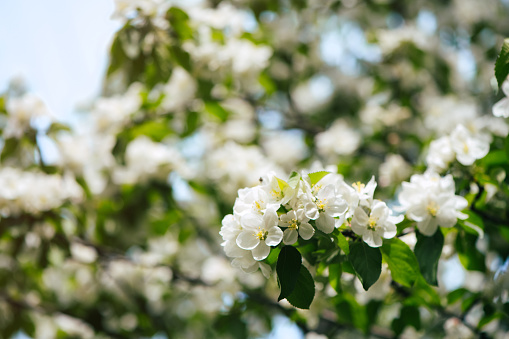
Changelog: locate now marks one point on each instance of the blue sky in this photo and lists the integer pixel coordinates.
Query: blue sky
(59, 47)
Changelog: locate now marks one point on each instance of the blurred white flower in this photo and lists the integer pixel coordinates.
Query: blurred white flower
(339, 139)
(501, 108)
(468, 147)
(394, 170)
(21, 111)
(440, 154)
(146, 159)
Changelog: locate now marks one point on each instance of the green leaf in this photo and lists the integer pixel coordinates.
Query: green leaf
(288, 270)
(10, 147)
(349, 311)
(179, 20)
(468, 254)
(401, 260)
(502, 63)
(216, 110)
(343, 243)
(335, 272)
(409, 316)
(181, 57)
(428, 251)
(367, 263)
(317, 176)
(495, 158)
(57, 127)
(155, 130)
(273, 256)
(304, 291)
(473, 224)
(293, 181)
(456, 295)
(282, 184)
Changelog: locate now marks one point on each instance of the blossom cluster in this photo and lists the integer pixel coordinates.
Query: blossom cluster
(34, 192)
(430, 200)
(282, 211)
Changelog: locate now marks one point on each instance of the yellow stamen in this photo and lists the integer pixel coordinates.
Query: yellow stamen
(294, 224)
(262, 234)
(372, 223)
(358, 186)
(432, 208)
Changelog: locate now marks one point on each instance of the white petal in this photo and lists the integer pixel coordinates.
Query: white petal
(270, 218)
(261, 251)
(266, 270)
(311, 211)
(325, 223)
(390, 230)
(501, 108)
(247, 240)
(290, 237)
(428, 226)
(274, 237)
(251, 220)
(306, 231)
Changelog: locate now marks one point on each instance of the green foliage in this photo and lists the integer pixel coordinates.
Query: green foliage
(303, 293)
(288, 270)
(502, 63)
(401, 260)
(317, 176)
(366, 261)
(427, 251)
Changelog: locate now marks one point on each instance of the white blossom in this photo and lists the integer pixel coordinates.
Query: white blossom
(259, 233)
(297, 224)
(431, 201)
(21, 111)
(325, 207)
(468, 147)
(440, 154)
(339, 139)
(375, 224)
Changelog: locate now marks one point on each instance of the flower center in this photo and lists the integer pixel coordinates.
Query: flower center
(294, 224)
(358, 186)
(262, 234)
(257, 205)
(320, 204)
(465, 147)
(432, 208)
(372, 223)
(276, 194)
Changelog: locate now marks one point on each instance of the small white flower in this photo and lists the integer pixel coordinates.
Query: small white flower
(468, 148)
(254, 200)
(297, 224)
(259, 233)
(375, 226)
(440, 154)
(325, 207)
(431, 201)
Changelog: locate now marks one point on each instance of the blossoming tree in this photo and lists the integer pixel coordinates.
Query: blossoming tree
(342, 164)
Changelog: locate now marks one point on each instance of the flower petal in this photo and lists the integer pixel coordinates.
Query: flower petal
(274, 237)
(251, 220)
(261, 251)
(247, 240)
(290, 237)
(325, 223)
(306, 231)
